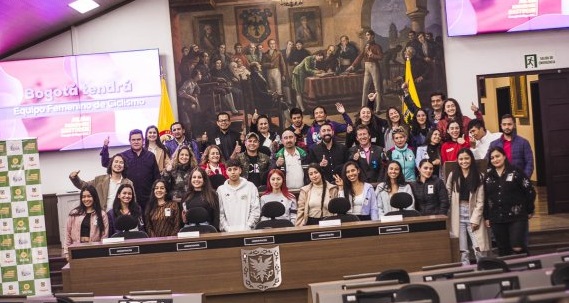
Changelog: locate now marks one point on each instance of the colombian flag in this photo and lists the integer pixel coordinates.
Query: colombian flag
(407, 114)
(165, 116)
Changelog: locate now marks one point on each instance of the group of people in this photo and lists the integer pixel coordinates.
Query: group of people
(158, 184)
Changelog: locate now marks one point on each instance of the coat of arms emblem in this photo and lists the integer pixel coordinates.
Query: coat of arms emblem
(261, 268)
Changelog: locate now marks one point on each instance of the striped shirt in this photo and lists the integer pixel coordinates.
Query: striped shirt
(160, 224)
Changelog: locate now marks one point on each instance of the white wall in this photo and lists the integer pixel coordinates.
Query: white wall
(142, 24)
(467, 57)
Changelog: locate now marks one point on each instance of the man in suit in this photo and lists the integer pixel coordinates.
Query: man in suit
(368, 156)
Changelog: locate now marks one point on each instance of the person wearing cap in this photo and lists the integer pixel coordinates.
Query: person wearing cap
(254, 165)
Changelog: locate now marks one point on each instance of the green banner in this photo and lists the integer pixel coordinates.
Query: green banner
(23, 242)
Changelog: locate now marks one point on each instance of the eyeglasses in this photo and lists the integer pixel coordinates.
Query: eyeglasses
(223, 121)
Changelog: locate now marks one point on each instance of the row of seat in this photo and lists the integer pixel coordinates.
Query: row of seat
(198, 217)
(497, 279)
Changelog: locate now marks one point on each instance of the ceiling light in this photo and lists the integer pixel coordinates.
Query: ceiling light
(83, 6)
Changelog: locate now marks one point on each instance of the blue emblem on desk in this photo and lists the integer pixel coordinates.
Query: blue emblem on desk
(261, 268)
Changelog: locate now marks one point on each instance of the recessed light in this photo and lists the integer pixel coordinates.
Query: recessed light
(83, 6)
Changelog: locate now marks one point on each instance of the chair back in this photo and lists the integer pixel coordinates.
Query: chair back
(400, 275)
(340, 206)
(197, 215)
(273, 210)
(560, 275)
(489, 263)
(401, 200)
(416, 292)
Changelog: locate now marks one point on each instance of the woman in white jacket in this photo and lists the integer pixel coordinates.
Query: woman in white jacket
(239, 207)
(360, 194)
(394, 183)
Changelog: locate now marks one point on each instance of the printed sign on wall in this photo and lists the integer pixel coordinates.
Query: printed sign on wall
(23, 245)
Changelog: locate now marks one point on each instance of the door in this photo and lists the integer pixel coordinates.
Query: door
(554, 97)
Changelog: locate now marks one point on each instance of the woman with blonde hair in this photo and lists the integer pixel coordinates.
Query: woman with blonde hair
(212, 162)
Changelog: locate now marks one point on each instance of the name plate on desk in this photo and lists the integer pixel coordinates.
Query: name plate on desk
(191, 245)
(325, 235)
(119, 251)
(395, 229)
(259, 240)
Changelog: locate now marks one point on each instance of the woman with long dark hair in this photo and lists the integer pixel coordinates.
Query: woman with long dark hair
(452, 112)
(431, 196)
(178, 174)
(125, 204)
(314, 198)
(466, 189)
(431, 151)
(153, 144)
(162, 214)
(456, 141)
(376, 125)
(278, 191)
(509, 203)
(86, 222)
(201, 194)
(420, 127)
(394, 183)
(360, 194)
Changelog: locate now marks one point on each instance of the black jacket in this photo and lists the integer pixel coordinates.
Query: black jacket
(336, 156)
(508, 197)
(431, 197)
(226, 142)
(372, 171)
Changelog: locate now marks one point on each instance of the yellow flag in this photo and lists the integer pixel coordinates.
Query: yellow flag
(165, 116)
(407, 114)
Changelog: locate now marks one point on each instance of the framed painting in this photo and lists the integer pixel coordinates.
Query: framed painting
(256, 24)
(519, 96)
(208, 31)
(306, 25)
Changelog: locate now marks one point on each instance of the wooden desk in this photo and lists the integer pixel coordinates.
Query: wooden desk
(328, 90)
(216, 271)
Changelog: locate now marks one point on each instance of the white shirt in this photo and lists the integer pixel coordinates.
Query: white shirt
(294, 172)
(483, 144)
(113, 187)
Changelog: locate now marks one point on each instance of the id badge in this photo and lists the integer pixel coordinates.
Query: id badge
(362, 155)
(430, 189)
(510, 177)
(217, 141)
(168, 212)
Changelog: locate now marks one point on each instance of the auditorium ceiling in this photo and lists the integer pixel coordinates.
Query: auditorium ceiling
(24, 23)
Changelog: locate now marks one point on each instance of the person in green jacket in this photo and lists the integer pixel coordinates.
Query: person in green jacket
(305, 69)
